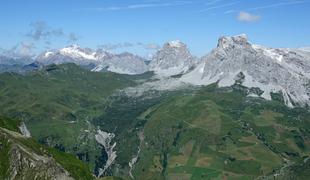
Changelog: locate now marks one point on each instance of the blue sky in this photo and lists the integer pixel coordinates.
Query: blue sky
(31, 26)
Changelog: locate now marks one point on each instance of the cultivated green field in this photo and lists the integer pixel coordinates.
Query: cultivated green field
(212, 134)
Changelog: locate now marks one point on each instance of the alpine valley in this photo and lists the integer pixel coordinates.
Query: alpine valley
(239, 112)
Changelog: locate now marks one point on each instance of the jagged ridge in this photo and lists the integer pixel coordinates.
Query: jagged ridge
(272, 70)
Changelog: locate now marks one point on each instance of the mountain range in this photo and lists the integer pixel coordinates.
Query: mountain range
(271, 70)
(239, 112)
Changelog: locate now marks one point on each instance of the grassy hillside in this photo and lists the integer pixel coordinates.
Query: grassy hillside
(11, 141)
(9, 124)
(57, 104)
(221, 134)
(194, 133)
(63, 91)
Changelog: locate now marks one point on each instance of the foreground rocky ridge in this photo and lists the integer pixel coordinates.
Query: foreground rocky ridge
(24, 163)
(22, 158)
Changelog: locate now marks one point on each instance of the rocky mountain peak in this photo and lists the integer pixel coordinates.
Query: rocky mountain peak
(232, 41)
(284, 71)
(124, 63)
(174, 58)
(77, 52)
(175, 44)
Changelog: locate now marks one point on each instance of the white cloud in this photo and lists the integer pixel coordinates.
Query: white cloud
(110, 46)
(141, 6)
(247, 17)
(213, 2)
(275, 5)
(152, 46)
(26, 48)
(40, 30)
(218, 6)
(21, 49)
(149, 46)
(270, 6)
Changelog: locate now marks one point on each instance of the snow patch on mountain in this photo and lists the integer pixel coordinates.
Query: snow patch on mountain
(175, 44)
(47, 54)
(285, 71)
(272, 53)
(76, 52)
(72, 54)
(124, 63)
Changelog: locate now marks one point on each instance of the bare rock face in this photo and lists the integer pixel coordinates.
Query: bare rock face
(24, 130)
(272, 70)
(173, 59)
(105, 140)
(124, 63)
(25, 163)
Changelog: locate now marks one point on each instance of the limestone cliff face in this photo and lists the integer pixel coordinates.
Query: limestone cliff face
(25, 161)
(173, 59)
(272, 70)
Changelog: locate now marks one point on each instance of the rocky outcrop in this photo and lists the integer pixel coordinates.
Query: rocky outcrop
(24, 130)
(124, 63)
(105, 139)
(173, 59)
(272, 70)
(27, 163)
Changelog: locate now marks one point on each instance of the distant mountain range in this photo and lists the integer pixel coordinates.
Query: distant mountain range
(234, 59)
(174, 117)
